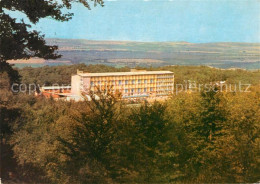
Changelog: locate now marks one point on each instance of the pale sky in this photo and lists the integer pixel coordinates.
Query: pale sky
(160, 20)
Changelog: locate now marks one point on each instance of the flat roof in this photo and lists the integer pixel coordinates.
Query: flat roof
(123, 73)
(55, 87)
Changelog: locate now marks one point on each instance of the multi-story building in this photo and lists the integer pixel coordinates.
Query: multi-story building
(134, 84)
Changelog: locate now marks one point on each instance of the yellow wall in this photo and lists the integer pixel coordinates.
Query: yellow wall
(161, 84)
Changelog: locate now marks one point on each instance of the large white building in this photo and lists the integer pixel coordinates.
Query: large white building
(134, 84)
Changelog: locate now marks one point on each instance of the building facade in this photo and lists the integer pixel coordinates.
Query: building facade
(134, 84)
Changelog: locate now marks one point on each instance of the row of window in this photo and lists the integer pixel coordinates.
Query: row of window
(120, 82)
(139, 90)
(143, 90)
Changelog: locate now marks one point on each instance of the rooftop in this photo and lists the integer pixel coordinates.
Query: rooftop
(56, 87)
(133, 72)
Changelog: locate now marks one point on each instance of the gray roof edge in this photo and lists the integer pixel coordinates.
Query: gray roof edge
(124, 73)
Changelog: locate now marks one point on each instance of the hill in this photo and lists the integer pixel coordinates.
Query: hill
(128, 53)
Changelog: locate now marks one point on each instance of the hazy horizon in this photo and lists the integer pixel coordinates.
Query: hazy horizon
(181, 41)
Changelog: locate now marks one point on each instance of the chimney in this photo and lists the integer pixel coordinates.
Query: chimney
(79, 72)
(136, 70)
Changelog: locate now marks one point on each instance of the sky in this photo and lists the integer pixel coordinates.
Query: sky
(196, 21)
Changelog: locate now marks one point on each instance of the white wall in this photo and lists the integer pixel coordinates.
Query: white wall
(75, 85)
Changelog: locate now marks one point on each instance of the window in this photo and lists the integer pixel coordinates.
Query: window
(133, 81)
(126, 90)
(151, 89)
(113, 82)
(145, 81)
(139, 81)
(151, 81)
(144, 89)
(119, 82)
(126, 81)
(92, 83)
(99, 82)
(139, 90)
(132, 90)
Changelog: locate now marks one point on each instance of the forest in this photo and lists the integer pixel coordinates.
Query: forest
(199, 137)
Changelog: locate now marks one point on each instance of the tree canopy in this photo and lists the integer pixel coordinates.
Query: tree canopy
(17, 42)
(199, 137)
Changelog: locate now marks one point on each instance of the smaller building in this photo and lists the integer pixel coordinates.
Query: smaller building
(55, 91)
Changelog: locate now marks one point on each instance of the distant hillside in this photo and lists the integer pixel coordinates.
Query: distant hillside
(222, 55)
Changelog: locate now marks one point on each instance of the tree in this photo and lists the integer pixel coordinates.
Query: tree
(92, 143)
(34, 140)
(149, 151)
(17, 42)
(182, 112)
(212, 114)
(238, 150)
